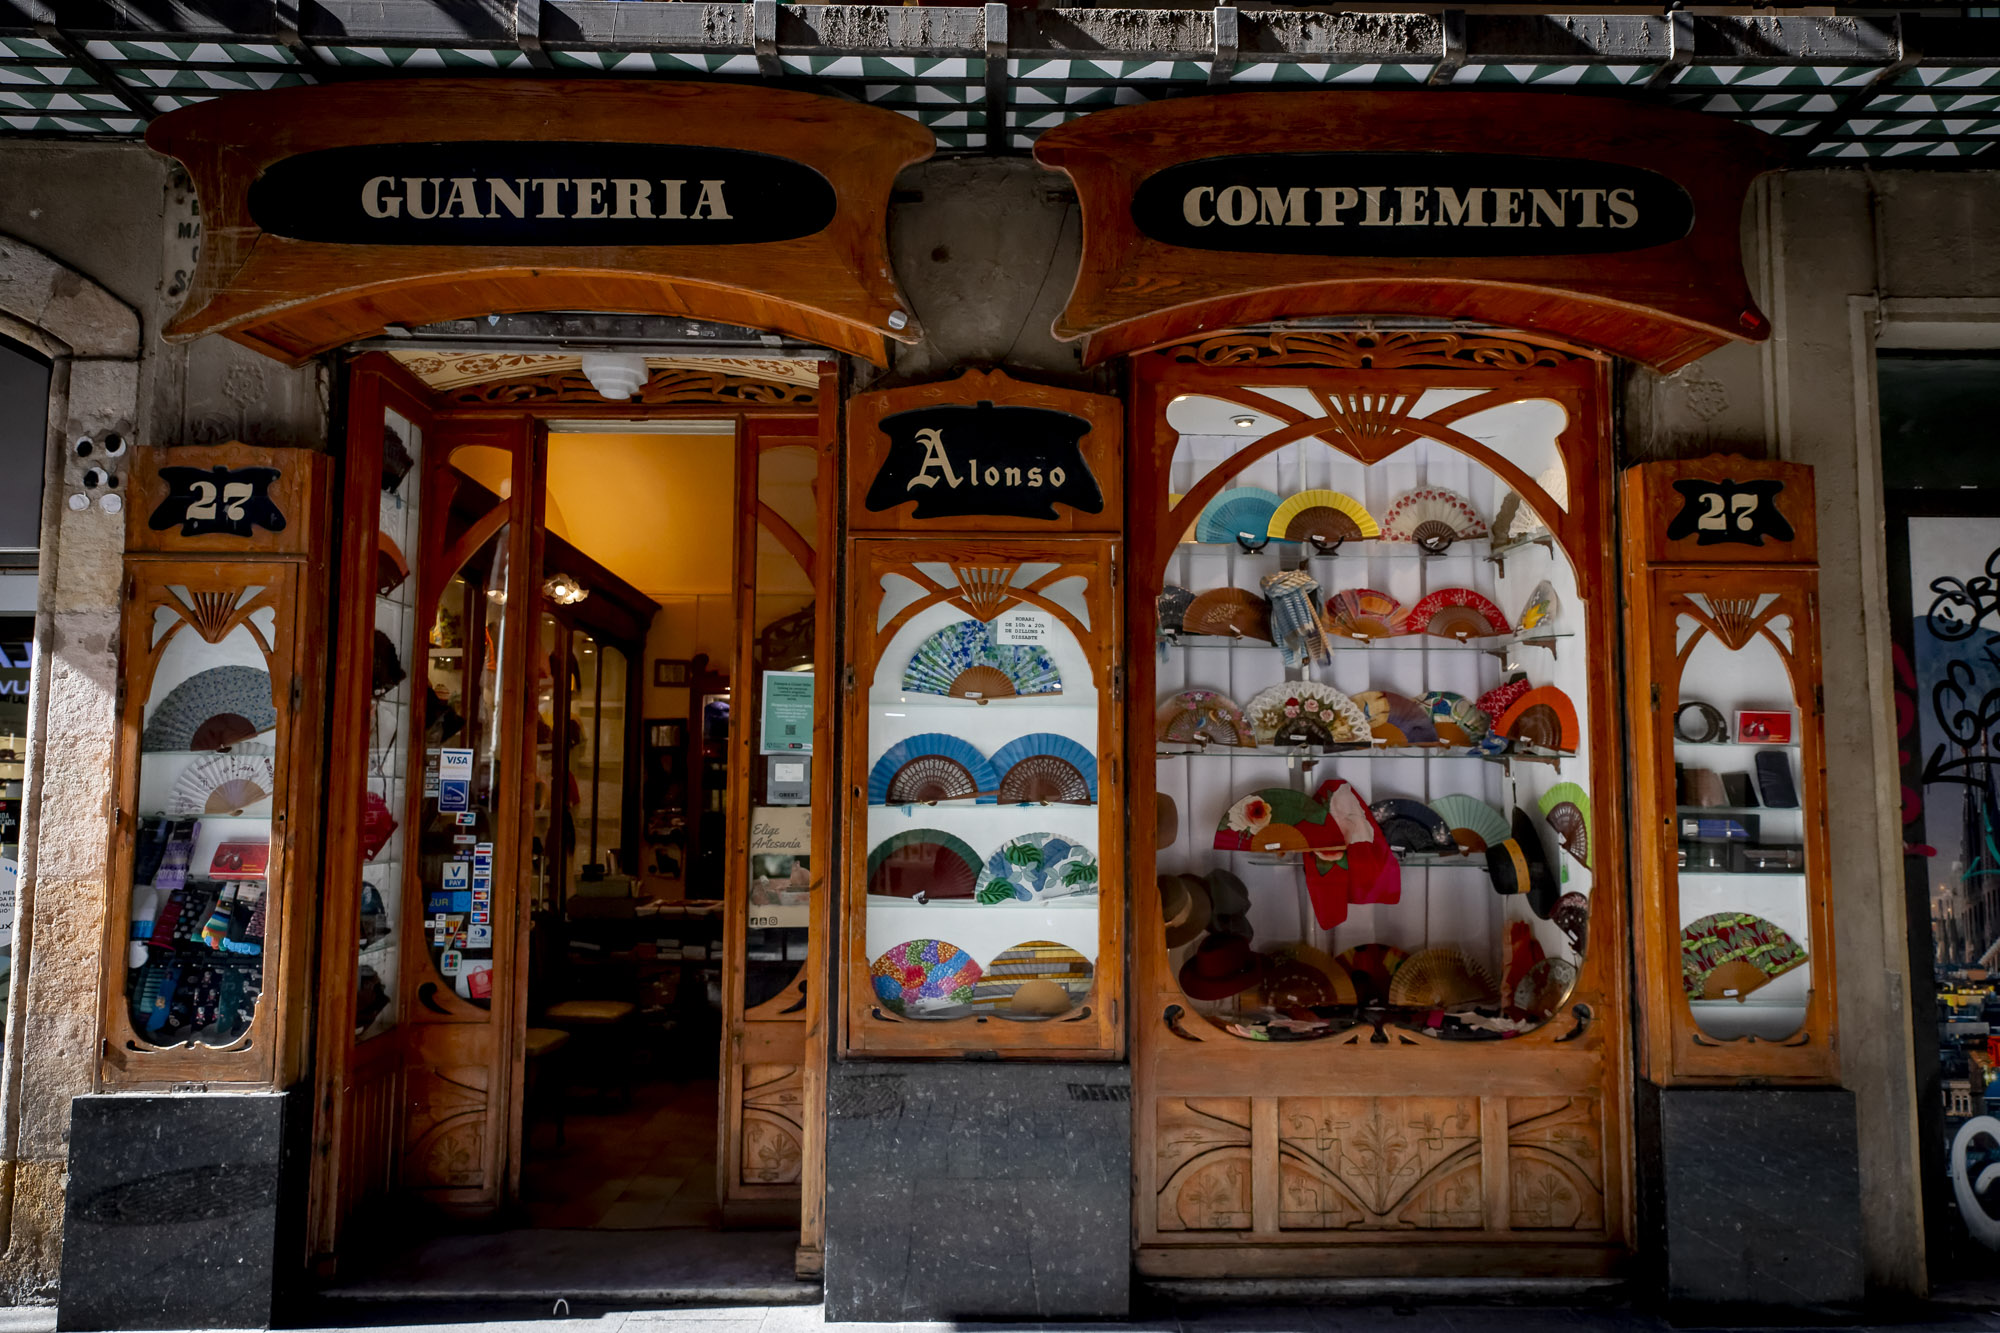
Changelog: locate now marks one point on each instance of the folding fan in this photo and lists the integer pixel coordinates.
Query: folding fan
(222, 784)
(1333, 978)
(1522, 951)
(1373, 966)
(1036, 867)
(1235, 613)
(1542, 717)
(1412, 826)
(1441, 979)
(1501, 697)
(1541, 613)
(1475, 825)
(1242, 513)
(1045, 767)
(1305, 712)
(927, 864)
(962, 661)
(390, 567)
(1323, 518)
(1173, 604)
(931, 767)
(217, 693)
(1572, 918)
(1547, 984)
(923, 975)
(1731, 955)
(1566, 807)
(1036, 977)
(1202, 717)
(1516, 520)
(1456, 613)
(1457, 720)
(1397, 719)
(1276, 819)
(1433, 518)
(1363, 613)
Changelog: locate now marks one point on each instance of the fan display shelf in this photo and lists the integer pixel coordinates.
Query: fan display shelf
(1354, 549)
(1398, 643)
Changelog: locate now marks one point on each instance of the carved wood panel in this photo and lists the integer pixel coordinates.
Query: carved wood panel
(1203, 1163)
(664, 387)
(1555, 1164)
(1367, 350)
(447, 1129)
(1379, 1162)
(773, 1124)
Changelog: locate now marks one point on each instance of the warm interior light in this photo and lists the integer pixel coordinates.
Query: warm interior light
(1244, 423)
(564, 591)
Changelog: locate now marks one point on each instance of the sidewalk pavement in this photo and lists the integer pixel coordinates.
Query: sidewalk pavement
(514, 1318)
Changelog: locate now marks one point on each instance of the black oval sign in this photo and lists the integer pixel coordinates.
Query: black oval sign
(1410, 205)
(540, 193)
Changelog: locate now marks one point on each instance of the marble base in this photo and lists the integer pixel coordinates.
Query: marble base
(1755, 1196)
(174, 1213)
(978, 1191)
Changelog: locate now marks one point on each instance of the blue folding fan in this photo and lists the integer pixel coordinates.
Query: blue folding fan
(932, 767)
(1043, 768)
(962, 660)
(1243, 512)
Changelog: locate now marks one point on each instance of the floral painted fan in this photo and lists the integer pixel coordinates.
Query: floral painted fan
(1305, 712)
(1397, 719)
(1202, 717)
(1433, 518)
(1325, 519)
(1241, 514)
(926, 864)
(1457, 719)
(1044, 768)
(1541, 615)
(1732, 955)
(932, 767)
(1363, 613)
(920, 976)
(1276, 819)
(962, 661)
(222, 784)
(1456, 613)
(1036, 867)
(1566, 807)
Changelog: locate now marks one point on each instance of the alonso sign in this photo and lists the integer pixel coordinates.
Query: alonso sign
(540, 193)
(1409, 204)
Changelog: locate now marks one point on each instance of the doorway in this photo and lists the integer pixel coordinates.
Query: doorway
(580, 1000)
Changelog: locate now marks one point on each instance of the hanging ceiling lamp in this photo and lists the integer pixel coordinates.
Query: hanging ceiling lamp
(564, 590)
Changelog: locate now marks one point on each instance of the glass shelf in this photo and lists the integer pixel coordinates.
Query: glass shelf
(1740, 874)
(1400, 643)
(1680, 744)
(1366, 548)
(1407, 860)
(1431, 752)
(1700, 810)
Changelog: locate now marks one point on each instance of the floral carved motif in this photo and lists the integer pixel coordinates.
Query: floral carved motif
(773, 1125)
(664, 387)
(1203, 1163)
(1555, 1164)
(1379, 1163)
(1367, 350)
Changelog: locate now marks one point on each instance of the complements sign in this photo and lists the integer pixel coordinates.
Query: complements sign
(1615, 225)
(540, 193)
(983, 453)
(1410, 204)
(984, 461)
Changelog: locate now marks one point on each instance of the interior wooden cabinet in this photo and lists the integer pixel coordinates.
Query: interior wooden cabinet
(216, 784)
(1729, 773)
(1377, 867)
(985, 825)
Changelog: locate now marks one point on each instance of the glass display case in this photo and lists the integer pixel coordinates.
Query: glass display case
(212, 808)
(984, 813)
(1724, 655)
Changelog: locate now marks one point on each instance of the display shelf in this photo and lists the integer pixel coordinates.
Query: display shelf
(1491, 644)
(1680, 744)
(1291, 551)
(1737, 810)
(1426, 752)
(1080, 702)
(1474, 861)
(1742, 874)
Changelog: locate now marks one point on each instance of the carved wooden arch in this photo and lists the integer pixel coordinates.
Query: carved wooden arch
(1032, 594)
(665, 386)
(293, 299)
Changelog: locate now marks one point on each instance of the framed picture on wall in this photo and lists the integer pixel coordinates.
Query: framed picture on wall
(668, 671)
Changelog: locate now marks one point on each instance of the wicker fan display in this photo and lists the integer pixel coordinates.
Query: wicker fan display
(1456, 613)
(1732, 955)
(1542, 717)
(1457, 719)
(221, 701)
(1324, 519)
(1441, 979)
(1566, 807)
(1432, 517)
(1202, 717)
(1276, 819)
(1364, 613)
(1234, 613)
(1173, 607)
(1397, 719)
(1045, 768)
(1241, 514)
(222, 784)
(1475, 825)
(1305, 712)
(926, 864)
(963, 661)
(1541, 614)
(931, 767)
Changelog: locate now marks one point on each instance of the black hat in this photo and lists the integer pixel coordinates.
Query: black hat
(1520, 864)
